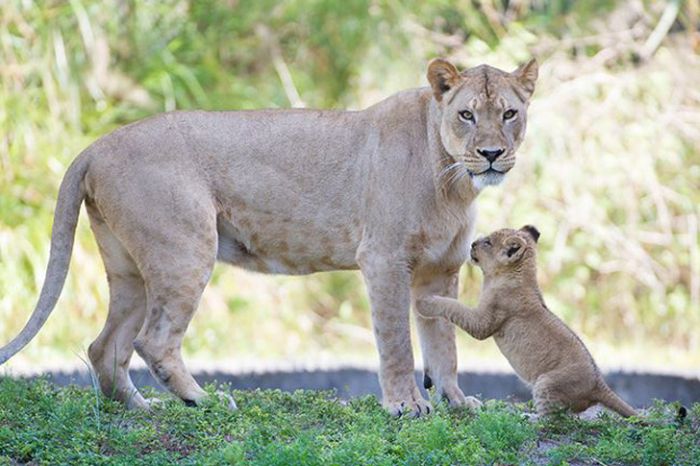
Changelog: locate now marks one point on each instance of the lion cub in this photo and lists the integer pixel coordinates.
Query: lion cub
(541, 348)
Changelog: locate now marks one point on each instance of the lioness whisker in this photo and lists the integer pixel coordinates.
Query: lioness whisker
(448, 168)
(455, 176)
(464, 173)
(449, 173)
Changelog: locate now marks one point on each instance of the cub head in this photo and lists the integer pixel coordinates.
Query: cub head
(483, 116)
(506, 250)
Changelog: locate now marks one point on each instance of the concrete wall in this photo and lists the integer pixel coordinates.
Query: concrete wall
(639, 389)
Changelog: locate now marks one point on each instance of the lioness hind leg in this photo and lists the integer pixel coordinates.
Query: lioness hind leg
(166, 220)
(111, 351)
(175, 275)
(171, 305)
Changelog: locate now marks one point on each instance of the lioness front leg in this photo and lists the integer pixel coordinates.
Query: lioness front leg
(388, 285)
(437, 339)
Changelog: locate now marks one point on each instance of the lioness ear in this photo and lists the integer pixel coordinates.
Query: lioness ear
(442, 76)
(526, 75)
(532, 231)
(513, 249)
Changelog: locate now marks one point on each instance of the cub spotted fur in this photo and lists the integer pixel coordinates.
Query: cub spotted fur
(541, 348)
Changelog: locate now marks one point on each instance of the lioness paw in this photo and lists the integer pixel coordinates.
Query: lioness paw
(218, 397)
(136, 402)
(456, 398)
(415, 407)
(227, 399)
(472, 403)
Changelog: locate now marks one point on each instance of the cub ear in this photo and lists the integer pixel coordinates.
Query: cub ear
(513, 249)
(442, 76)
(526, 74)
(532, 231)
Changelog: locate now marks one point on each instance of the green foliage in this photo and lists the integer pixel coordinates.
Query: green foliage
(608, 172)
(43, 424)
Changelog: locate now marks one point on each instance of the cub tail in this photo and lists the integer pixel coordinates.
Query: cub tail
(611, 400)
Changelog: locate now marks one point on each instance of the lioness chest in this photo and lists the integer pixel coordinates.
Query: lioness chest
(439, 251)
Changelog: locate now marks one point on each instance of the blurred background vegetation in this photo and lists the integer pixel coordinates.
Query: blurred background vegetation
(609, 172)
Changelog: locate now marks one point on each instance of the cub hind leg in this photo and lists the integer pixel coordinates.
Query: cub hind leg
(572, 388)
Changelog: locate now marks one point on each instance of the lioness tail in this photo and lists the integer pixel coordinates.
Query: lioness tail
(70, 197)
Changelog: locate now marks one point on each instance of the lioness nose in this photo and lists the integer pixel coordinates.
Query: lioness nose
(490, 153)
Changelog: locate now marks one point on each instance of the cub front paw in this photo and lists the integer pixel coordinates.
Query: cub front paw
(426, 308)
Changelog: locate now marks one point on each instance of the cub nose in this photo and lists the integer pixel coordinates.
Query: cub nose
(490, 153)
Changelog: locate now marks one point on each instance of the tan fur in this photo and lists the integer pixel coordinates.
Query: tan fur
(544, 352)
(389, 189)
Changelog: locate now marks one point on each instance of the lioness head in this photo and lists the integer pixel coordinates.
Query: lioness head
(505, 249)
(484, 112)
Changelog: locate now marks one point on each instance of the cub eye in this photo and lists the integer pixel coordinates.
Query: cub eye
(487, 242)
(509, 114)
(466, 115)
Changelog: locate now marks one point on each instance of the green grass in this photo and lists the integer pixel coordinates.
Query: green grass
(41, 423)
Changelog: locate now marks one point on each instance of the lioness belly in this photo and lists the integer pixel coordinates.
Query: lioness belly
(286, 247)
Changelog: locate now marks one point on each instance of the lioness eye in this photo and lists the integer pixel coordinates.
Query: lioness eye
(509, 114)
(466, 115)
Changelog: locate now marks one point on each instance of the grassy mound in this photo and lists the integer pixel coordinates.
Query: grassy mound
(41, 423)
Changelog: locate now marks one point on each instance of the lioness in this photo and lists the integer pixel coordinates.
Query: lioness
(544, 352)
(389, 189)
